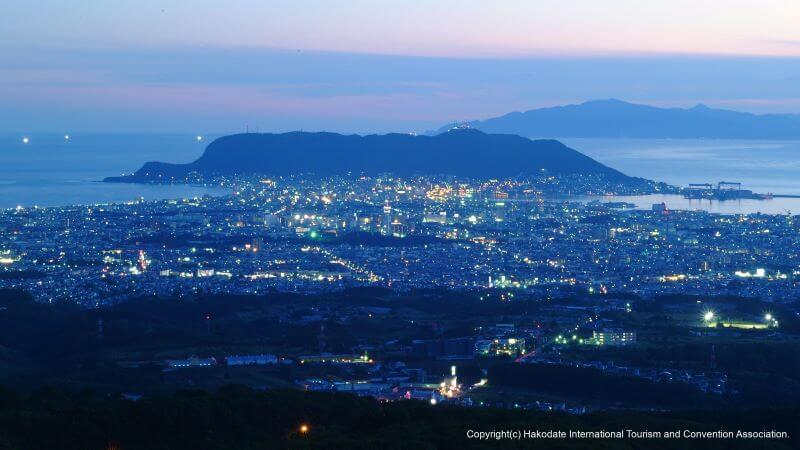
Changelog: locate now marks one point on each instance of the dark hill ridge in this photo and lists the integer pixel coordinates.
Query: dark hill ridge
(616, 118)
(461, 152)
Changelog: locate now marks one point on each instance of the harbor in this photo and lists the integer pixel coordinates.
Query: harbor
(723, 190)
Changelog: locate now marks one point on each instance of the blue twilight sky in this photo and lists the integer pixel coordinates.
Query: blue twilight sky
(377, 66)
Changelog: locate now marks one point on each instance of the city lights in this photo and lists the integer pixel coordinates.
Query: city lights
(443, 224)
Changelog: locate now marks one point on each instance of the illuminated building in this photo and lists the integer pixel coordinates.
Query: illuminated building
(143, 262)
(614, 337)
(205, 273)
(501, 347)
(449, 388)
(387, 219)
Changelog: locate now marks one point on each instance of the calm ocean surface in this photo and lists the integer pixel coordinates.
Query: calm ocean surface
(52, 171)
(761, 166)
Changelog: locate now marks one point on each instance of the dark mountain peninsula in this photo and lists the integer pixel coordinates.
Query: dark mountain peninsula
(619, 119)
(460, 152)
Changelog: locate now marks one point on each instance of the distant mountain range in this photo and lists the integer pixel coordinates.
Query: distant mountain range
(619, 119)
(461, 152)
